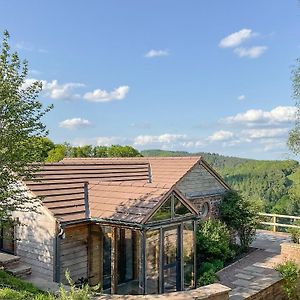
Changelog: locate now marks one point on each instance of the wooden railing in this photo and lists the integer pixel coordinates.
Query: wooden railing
(275, 221)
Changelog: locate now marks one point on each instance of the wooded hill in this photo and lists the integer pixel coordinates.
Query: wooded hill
(275, 183)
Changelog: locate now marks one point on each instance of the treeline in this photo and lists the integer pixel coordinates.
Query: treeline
(51, 152)
(276, 184)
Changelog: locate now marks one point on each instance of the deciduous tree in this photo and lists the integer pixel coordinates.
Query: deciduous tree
(21, 127)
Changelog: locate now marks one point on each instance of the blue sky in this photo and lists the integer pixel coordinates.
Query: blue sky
(180, 75)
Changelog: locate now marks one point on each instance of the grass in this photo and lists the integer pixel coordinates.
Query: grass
(17, 289)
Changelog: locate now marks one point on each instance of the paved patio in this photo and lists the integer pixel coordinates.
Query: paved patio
(255, 271)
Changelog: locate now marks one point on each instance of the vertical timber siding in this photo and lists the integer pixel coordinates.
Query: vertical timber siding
(35, 241)
(74, 252)
(96, 255)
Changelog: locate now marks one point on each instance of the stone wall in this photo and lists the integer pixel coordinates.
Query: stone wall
(273, 292)
(291, 251)
(214, 291)
(214, 202)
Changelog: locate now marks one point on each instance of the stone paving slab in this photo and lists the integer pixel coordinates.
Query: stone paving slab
(255, 271)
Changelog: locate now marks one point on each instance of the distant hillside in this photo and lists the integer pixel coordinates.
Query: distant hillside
(275, 183)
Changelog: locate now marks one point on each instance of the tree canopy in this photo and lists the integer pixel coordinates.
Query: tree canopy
(22, 131)
(294, 135)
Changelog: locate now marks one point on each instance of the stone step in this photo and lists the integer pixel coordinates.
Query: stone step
(19, 270)
(7, 259)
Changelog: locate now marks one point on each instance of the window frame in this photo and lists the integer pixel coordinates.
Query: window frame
(174, 216)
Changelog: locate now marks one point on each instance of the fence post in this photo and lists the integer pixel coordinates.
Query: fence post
(274, 222)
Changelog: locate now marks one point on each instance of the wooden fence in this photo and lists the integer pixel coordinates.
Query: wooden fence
(279, 221)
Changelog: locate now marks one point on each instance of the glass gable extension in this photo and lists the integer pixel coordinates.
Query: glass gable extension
(160, 258)
(170, 248)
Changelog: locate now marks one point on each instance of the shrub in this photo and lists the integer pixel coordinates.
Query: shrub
(213, 240)
(208, 277)
(240, 215)
(295, 232)
(290, 273)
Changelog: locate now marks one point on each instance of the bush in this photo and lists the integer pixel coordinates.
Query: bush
(290, 273)
(240, 215)
(214, 265)
(213, 241)
(208, 277)
(295, 232)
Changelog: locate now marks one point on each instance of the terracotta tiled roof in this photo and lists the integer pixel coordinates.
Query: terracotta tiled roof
(66, 201)
(124, 189)
(86, 170)
(164, 170)
(124, 201)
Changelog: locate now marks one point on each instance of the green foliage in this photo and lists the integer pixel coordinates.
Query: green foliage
(240, 215)
(214, 265)
(74, 293)
(21, 130)
(295, 232)
(213, 241)
(60, 151)
(15, 288)
(208, 277)
(294, 135)
(291, 274)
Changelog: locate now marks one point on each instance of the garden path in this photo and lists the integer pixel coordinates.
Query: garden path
(255, 271)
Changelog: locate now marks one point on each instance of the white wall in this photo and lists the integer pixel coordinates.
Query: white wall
(35, 240)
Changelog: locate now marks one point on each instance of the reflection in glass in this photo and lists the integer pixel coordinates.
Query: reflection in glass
(180, 209)
(188, 255)
(170, 246)
(170, 277)
(164, 212)
(170, 260)
(106, 257)
(125, 255)
(152, 261)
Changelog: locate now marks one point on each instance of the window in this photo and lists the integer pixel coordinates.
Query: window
(172, 208)
(165, 212)
(125, 263)
(106, 257)
(180, 209)
(152, 261)
(188, 255)
(204, 211)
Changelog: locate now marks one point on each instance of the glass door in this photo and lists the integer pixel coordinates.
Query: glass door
(171, 259)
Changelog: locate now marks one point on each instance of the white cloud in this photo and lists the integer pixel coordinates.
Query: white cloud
(236, 38)
(29, 47)
(265, 133)
(241, 97)
(252, 52)
(143, 140)
(156, 53)
(220, 136)
(280, 114)
(55, 90)
(104, 96)
(74, 123)
(102, 141)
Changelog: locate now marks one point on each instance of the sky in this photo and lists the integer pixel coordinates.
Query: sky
(197, 75)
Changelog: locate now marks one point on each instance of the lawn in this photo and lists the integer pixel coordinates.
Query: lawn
(16, 289)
